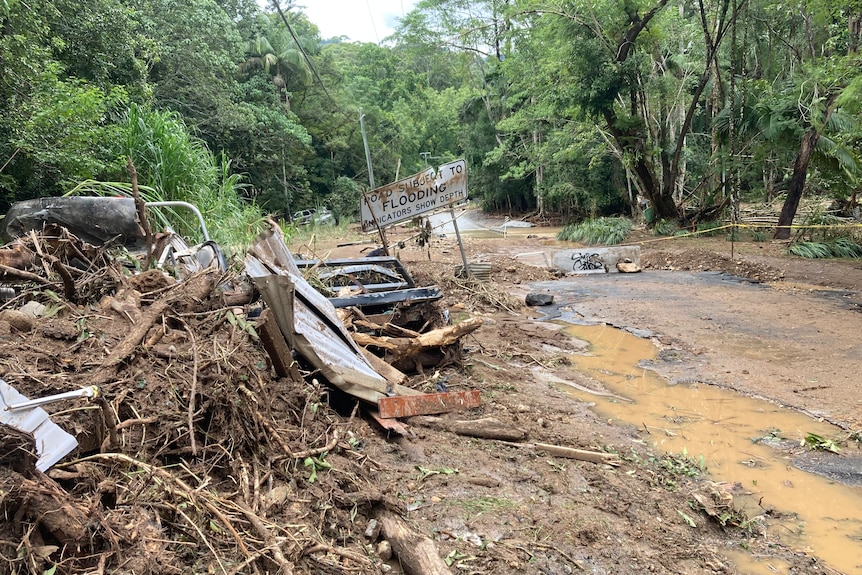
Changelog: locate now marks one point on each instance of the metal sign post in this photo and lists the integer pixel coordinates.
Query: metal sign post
(380, 230)
(460, 243)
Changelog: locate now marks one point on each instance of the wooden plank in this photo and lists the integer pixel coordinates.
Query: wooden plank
(428, 403)
(275, 345)
(390, 424)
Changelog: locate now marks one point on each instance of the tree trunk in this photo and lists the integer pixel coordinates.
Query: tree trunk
(797, 184)
(800, 173)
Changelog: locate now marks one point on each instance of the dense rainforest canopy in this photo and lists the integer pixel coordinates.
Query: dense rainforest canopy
(575, 107)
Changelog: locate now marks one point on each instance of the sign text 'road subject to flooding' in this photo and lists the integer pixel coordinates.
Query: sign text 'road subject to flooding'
(415, 195)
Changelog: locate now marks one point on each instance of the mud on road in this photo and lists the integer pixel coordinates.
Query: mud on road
(760, 323)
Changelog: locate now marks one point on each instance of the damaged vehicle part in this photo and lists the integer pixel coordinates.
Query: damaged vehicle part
(113, 222)
(374, 285)
(52, 443)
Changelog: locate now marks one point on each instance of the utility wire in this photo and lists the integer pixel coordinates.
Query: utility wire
(308, 60)
(277, 6)
(373, 25)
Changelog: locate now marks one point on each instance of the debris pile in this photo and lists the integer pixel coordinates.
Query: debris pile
(204, 448)
(201, 454)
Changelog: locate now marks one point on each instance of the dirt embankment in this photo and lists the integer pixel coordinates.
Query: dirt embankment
(202, 460)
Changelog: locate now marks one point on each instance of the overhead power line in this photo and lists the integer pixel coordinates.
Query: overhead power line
(308, 61)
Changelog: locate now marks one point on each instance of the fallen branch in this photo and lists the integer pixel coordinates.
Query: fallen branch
(27, 276)
(194, 385)
(569, 452)
(417, 554)
(196, 288)
(178, 487)
(403, 347)
(485, 428)
(286, 567)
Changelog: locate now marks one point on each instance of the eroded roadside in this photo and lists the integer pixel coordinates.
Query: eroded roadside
(791, 346)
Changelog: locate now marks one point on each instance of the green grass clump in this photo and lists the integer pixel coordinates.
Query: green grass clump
(710, 228)
(846, 248)
(601, 231)
(840, 248)
(173, 164)
(666, 228)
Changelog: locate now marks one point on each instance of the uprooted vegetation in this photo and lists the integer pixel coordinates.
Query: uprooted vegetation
(195, 457)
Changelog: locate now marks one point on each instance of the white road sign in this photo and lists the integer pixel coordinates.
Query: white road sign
(415, 195)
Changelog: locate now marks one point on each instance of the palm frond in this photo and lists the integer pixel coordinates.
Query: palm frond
(812, 250)
(601, 231)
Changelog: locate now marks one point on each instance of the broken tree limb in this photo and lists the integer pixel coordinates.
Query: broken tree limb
(68, 283)
(141, 209)
(23, 275)
(579, 454)
(485, 428)
(42, 500)
(196, 288)
(569, 452)
(402, 347)
(285, 566)
(417, 554)
(390, 374)
(488, 428)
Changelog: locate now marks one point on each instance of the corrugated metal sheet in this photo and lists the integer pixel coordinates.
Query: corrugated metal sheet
(52, 443)
(308, 320)
(271, 249)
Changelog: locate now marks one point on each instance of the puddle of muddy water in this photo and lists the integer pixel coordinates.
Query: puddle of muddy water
(732, 433)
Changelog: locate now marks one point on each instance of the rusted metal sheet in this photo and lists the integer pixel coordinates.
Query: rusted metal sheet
(390, 424)
(414, 195)
(52, 443)
(428, 403)
(308, 321)
(389, 298)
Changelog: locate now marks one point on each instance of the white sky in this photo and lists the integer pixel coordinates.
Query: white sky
(359, 20)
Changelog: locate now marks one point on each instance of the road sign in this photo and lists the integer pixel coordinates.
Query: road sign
(417, 194)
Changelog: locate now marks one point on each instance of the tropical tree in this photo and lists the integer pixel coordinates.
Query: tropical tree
(282, 58)
(191, 56)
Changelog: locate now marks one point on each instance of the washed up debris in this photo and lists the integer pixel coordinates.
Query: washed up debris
(479, 271)
(23, 414)
(308, 320)
(78, 228)
(428, 403)
(372, 284)
(484, 428)
(311, 326)
(539, 299)
(627, 266)
(419, 350)
(415, 552)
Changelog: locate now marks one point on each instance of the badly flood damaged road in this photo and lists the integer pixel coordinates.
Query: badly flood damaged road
(737, 388)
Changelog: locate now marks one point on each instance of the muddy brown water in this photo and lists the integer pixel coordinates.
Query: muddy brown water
(745, 442)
